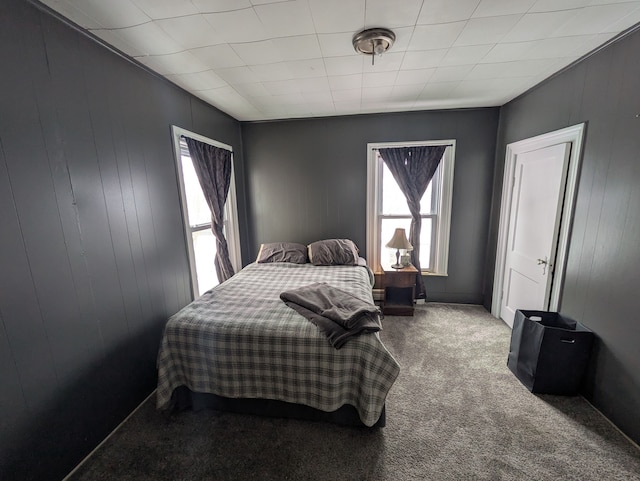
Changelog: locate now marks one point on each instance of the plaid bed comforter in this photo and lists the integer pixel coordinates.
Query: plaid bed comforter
(239, 340)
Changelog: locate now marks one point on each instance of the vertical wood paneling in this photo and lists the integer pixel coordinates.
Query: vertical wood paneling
(307, 180)
(602, 278)
(92, 254)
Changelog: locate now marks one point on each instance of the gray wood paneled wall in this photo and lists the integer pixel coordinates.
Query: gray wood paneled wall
(307, 180)
(92, 253)
(603, 276)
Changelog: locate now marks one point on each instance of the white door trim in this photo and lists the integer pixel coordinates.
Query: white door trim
(575, 136)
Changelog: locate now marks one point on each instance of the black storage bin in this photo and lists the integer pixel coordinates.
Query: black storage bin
(549, 355)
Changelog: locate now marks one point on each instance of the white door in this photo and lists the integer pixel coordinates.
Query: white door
(534, 219)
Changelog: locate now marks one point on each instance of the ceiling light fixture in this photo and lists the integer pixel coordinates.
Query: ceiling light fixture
(373, 41)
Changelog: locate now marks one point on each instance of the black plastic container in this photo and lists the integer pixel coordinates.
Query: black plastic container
(549, 353)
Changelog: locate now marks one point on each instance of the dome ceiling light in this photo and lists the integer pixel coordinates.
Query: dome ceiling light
(373, 41)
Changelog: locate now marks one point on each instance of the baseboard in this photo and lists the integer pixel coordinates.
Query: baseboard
(66, 478)
(612, 424)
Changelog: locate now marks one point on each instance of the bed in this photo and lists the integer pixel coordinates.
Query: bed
(240, 343)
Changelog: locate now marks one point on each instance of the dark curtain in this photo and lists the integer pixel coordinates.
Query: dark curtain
(213, 167)
(413, 169)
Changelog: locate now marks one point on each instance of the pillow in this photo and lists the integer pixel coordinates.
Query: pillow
(282, 252)
(333, 252)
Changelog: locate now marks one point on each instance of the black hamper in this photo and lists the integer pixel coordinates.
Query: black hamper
(549, 355)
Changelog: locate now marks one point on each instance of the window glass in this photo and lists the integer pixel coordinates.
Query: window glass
(204, 249)
(388, 227)
(197, 207)
(394, 201)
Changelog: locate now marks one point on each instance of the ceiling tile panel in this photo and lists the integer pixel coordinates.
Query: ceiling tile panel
(257, 53)
(557, 5)
(414, 77)
(174, 63)
(376, 93)
(382, 79)
(424, 59)
(237, 75)
(383, 13)
(536, 26)
(557, 47)
(198, 81)
(238, 26)
(406, 92)
(345, 82)
(255, 89)
(520, 68)
(495, 8)
(276, 18)
(431, 37)
(437, 90)
(450, 74)
(318, 97)
(351, 95)
(344, 65)
(113, 14)
(157, 9)
(444, 11)
(269, 72)
(597, 19)
(215, 6)
(315, 84)
(348, 106)
(300, 69)
(336, 44)
(335, 16)
(218, 56)
(281, 87)
(150, 39)
(507, 52)
(465, 55)
(192, 31)
(479, 31)
(300, 47)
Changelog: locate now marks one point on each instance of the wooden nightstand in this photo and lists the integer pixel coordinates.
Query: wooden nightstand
(399, 289)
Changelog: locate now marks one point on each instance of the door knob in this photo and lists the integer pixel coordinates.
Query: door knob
(544, 263)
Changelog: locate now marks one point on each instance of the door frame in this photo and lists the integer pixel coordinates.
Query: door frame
(575, 136)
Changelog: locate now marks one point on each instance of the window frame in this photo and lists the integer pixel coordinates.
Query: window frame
(230, 209)
(442, 190)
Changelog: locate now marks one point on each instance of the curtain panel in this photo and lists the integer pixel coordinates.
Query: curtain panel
(413, 168)
(213, 167)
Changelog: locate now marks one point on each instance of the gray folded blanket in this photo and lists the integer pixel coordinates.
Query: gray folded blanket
(337, 313)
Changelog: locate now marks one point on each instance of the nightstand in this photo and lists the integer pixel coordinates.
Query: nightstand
(399, 289)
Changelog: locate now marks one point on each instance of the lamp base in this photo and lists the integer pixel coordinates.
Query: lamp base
(397, 266)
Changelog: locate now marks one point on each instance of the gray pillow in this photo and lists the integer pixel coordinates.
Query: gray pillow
(332, 252)
(282, 252)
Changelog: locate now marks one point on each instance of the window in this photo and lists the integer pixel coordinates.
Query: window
(201, 243)
(387, 210)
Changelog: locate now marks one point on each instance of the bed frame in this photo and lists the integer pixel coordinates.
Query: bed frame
(185, 399)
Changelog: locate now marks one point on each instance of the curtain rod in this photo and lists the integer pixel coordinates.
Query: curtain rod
(401, 147)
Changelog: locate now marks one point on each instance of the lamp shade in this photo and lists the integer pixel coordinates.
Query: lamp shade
(399, 240)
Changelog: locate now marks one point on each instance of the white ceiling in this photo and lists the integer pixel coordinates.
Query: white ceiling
(274, 59)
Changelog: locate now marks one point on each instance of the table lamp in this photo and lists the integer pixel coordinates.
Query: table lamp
(399, 241)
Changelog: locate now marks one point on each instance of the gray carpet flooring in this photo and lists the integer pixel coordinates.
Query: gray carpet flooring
(455, 413)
